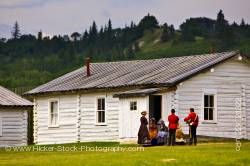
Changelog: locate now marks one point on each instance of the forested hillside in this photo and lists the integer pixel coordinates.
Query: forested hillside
(28, 61)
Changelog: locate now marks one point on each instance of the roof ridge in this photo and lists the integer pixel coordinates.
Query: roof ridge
(139, 60)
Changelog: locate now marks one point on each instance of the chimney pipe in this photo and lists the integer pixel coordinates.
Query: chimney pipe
(87, 63)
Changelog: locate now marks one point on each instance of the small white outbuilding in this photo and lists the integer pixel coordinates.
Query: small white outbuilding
(13, 118)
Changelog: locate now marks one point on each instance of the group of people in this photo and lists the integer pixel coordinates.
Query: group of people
(159, 133)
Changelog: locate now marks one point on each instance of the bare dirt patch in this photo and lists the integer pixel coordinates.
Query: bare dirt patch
(168, 160)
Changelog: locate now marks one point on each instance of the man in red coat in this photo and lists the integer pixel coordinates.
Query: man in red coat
(173, 124)
(192, 119)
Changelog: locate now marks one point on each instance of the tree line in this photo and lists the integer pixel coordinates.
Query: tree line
(29, 60)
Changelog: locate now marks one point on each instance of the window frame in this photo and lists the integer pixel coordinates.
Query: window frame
(214, 93)
(96, 112)
(136, 105)
(49, 112)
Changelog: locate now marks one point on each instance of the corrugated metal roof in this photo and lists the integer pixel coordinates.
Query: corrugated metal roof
(166, 71)
(9, 98)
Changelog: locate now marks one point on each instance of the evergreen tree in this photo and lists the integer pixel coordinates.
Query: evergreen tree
(221, 23)
(221, 18)
(105, 28)
(40, 35)
(101, 33)
(93, 32)
(234, 24)
(109, 34)
(242, 24)
(132, 25)
(224, 33)
(101, 37)
(148, 22)
(85, 35)
(16, 31)
(165, 33)
(201, 26)
(75, 36)
(109, 26)
(171, 29)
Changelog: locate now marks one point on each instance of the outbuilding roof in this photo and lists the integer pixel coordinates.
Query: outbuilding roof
(163, 72)
(10, 99)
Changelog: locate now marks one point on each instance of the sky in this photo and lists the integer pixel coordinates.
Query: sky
(55, 17)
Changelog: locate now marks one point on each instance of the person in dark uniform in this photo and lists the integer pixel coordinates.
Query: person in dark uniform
(193, 120)
(143, 133)
(173, 124)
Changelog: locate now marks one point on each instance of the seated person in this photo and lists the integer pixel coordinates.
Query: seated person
(180, 136)
(162, 133)
(153, 132)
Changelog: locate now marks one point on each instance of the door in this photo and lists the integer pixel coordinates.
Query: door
(155, 107)
(129, 118)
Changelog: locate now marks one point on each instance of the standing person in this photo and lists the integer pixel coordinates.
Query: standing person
(192, 119)
(143, 134)
(173, 124)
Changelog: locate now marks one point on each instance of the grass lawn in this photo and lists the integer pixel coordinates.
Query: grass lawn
(203, 154)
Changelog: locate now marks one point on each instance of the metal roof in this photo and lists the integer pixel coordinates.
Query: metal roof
(165, 71)
(10, 99)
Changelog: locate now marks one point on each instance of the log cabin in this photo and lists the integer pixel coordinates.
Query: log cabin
(103, 101)
(13, 118)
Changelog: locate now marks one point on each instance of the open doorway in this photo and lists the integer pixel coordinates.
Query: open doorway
(155, 107)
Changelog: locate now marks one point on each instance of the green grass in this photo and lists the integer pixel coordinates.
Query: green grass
(203, 154)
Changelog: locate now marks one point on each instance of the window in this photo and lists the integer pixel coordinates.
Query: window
(133, 105)
(1, 127)
(209, 106)
(100, 110)
(53, 113)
